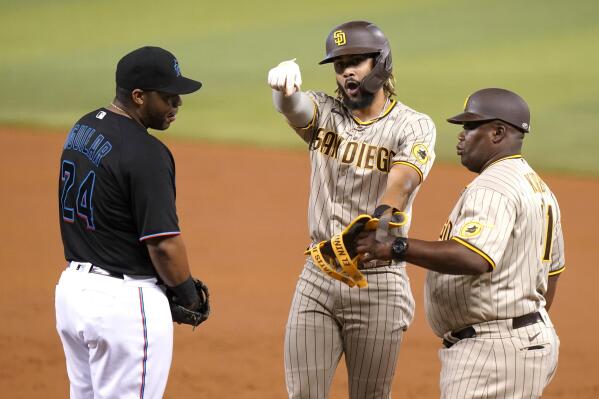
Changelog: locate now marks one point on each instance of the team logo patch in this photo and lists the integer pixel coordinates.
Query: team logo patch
(471, 229)
(420, 151)
(101, 115)
(339, 37)
(177, 68)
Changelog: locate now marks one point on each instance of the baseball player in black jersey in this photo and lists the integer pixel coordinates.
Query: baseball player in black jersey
(121, 235)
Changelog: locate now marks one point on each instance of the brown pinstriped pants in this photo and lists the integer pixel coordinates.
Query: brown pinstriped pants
(328, 319)
(500, 362)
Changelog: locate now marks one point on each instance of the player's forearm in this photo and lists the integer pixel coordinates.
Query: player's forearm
(298, 108)
(396, 199)
(447, 257)
(551, 288)
(169, 257)
(401, 183)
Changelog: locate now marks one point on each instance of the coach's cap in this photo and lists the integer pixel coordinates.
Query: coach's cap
(493, 103)
(153, 68)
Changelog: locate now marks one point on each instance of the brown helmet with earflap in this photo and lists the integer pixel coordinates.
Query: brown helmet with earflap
(361, 37)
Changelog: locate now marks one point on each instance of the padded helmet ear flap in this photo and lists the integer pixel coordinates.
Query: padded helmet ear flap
(380, 72)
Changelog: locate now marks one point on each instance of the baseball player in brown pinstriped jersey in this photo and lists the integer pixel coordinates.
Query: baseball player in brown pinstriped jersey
(368, 152)
(493, 273)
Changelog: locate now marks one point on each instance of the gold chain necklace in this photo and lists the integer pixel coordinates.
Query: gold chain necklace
(120, 109)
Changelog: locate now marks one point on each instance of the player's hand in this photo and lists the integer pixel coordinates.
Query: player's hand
(371, 249)
(285, 77)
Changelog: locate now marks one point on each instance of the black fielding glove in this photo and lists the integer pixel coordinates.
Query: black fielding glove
(189, 302)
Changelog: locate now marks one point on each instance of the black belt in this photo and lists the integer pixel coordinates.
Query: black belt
(100, 271)
(104, 272)
(517, 322)
(526, 320)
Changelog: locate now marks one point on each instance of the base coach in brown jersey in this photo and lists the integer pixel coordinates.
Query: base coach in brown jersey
(493, 272)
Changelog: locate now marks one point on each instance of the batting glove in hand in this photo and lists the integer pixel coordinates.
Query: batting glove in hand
(285, 77)
(342, 250)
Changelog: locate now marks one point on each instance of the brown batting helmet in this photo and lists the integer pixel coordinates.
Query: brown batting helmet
(361, 37)
(489, 104)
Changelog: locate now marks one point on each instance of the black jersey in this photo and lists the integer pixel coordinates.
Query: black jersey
(116, 189)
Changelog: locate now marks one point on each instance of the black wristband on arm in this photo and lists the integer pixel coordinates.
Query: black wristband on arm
(186, 292)
(379, 210)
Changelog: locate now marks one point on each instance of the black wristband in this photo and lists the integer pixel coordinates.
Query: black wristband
(399, 248)
(186, 292)
(379, 210)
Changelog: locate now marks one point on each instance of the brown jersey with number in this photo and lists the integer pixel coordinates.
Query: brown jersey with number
(508, 216)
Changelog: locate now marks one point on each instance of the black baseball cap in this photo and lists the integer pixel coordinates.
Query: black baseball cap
(153, 68)
(490, 104)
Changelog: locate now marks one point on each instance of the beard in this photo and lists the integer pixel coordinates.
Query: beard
(153, 119)
(362, 100)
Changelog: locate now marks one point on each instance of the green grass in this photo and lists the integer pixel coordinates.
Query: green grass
(58, 58)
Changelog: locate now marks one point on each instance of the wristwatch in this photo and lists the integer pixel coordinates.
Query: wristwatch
(399, 248)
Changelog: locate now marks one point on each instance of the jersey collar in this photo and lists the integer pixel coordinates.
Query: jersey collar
(381, 116)
(517, 156)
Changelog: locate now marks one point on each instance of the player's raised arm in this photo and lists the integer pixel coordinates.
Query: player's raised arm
(285, 80)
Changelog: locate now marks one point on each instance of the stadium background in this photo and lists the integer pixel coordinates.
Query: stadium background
(237, 160)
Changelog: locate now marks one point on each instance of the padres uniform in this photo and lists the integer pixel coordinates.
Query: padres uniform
(500, 341)
(350, 160)
(116, 189)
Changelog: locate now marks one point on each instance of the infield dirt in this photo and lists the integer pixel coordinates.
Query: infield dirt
(243, 217)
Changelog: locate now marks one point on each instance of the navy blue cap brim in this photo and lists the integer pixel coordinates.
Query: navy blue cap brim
(182, 85)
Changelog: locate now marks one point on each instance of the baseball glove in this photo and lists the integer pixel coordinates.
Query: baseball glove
(340, 251)
(185, 315)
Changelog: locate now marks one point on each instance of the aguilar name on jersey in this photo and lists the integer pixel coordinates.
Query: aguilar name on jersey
(116, 189)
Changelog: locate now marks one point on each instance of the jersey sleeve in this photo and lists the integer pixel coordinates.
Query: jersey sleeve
(484, 223)
(557, 253)
(416, 147)
(322, 106)
(152, 191)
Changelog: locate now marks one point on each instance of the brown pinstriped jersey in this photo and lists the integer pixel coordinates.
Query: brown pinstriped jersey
(509, 216)
(351, 159)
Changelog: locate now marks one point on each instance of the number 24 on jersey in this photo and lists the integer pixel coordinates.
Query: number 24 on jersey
(76, 199)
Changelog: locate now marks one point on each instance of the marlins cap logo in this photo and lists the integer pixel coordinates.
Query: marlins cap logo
(177, 68)
(339, 37)
(420, 152)
(471, 229)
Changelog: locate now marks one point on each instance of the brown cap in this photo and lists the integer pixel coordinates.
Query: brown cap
(490, 104)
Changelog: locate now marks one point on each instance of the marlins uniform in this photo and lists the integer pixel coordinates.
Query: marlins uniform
(499, 340)
(116, 189)
(120, 231)
(350, 161)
